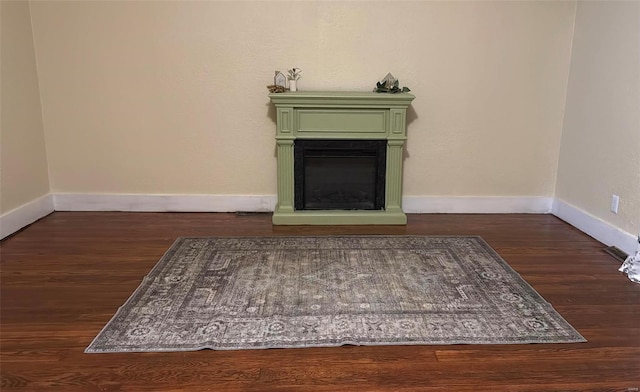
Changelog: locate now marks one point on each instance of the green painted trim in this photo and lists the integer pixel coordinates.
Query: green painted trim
(339, 218)
(340, 115)
(341, 99)
(342, 120)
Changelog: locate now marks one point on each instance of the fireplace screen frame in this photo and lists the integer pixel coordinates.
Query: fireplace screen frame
(306, 149)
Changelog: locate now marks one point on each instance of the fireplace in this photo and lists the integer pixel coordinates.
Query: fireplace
(339, 174)
(340, 157)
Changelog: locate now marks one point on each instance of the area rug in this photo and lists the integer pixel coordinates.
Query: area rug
(281, 292)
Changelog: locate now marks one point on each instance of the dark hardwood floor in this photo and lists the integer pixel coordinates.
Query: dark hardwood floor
(63, 277)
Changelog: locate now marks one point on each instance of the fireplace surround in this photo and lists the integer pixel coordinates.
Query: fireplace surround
(339, 130)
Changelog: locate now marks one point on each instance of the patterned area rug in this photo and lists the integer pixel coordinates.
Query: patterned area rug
(267, 292)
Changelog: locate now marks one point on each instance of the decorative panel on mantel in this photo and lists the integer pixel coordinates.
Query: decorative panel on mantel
(340, 115)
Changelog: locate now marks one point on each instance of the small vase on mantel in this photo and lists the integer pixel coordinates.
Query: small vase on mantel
(294, 75)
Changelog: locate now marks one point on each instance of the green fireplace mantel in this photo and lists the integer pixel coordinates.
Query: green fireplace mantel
(340, 115)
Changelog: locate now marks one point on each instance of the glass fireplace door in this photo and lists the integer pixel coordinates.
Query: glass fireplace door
(339, 174)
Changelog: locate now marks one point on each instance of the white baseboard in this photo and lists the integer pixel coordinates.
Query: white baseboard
(263, 203)
(163, 203)
(16, 219)
(20, 217)
(476, 205)
(595, 227)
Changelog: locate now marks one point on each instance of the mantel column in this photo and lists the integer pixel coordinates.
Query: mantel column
(285, 175)
(284, 140)
(395, 146)
(393, 196)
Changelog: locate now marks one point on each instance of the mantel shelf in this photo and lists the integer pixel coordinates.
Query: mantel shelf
(341, 98)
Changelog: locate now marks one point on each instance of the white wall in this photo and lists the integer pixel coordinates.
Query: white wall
(161, 97)
(23, 163)
(600, 152)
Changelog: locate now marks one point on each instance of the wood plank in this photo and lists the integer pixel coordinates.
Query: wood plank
(63, 277)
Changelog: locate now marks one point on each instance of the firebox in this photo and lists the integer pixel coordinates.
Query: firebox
(339, 174)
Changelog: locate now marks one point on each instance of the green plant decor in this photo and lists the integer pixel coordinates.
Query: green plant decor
(393, 89)
(390, 85)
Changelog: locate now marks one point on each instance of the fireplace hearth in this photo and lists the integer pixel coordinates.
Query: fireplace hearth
(340, 157)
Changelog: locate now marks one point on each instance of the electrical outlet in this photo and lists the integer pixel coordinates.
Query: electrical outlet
(615, 200)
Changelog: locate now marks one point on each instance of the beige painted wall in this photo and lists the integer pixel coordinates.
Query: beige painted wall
(23, 160)
(600, 153)
(170, 97)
